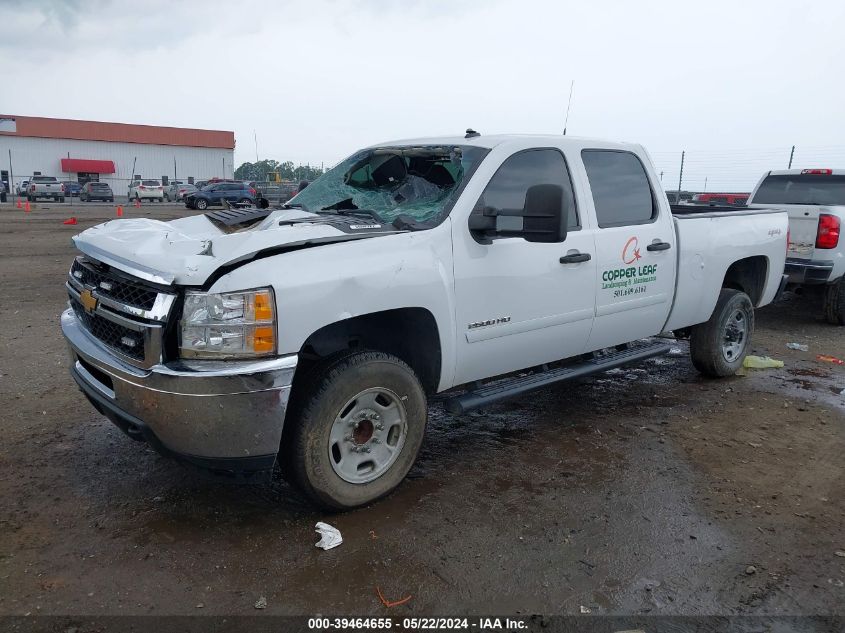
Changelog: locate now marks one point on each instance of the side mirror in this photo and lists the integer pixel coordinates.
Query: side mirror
(543, 218)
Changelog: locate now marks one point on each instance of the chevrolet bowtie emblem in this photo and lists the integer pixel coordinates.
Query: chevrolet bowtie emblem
(88, 300)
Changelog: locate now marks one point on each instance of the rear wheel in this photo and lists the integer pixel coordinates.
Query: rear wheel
(834, 303)
(358, 424)
(719, 346)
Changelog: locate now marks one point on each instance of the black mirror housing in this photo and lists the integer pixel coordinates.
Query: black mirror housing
(544, 217)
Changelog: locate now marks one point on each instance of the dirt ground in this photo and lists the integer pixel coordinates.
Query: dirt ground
(647, 490)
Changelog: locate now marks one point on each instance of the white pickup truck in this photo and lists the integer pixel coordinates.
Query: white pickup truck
(45, 187)
(815, 201)
(312, 335)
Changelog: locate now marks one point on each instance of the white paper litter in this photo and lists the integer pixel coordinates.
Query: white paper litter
(799, 347)
(329, 537)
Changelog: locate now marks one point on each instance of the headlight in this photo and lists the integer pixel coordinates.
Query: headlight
(228, 325)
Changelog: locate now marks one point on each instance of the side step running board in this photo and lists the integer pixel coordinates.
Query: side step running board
(511, 387)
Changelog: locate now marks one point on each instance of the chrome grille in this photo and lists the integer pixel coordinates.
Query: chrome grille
(118, 337)
(127, 315)
(110, 285)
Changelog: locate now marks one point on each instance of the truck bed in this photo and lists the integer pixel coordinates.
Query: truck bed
(709, 239)
(688, 210)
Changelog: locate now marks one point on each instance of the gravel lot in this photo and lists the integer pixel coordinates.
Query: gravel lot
(646, 490)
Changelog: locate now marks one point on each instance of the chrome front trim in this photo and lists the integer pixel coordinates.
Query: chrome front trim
(208, 409)
(124, 314)
(159, 311)
(153, 334)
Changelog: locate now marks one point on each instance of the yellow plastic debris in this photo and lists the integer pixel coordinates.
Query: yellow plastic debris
(761, 362)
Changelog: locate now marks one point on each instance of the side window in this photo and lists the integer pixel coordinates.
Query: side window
(621, 193)
(506, 190)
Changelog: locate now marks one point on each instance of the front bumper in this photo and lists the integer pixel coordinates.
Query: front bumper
(223, 416)
(805, 271)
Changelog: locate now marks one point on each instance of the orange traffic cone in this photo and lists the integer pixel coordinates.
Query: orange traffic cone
(20, 206)
(119, 211)
(26, 207)
(70, 220)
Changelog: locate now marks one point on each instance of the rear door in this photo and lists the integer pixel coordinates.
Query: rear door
(234, 192)
(635, 246)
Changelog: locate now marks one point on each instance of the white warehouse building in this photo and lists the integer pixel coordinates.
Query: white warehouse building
(80, 151)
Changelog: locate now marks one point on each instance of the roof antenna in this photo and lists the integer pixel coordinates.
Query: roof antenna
(471, 133)
(566, 121)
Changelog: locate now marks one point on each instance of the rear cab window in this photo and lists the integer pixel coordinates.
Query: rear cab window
(813, 189)
(151, 183)
(508, 187)
(622, 194)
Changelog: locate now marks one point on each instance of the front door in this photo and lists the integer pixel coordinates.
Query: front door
(635, 246)
(517, 304)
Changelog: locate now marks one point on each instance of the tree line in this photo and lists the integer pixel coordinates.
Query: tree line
(287, 170)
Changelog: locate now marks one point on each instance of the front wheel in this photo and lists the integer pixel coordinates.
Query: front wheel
(834, 303)
(719, 346)
(201, 204)
(357, 425)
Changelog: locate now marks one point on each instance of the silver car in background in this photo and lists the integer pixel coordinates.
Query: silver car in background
(177, 190)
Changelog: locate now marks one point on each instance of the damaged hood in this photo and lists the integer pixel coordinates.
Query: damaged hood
(189, 250)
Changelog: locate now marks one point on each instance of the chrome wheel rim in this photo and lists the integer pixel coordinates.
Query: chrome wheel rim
(735, 335)
(367, 435)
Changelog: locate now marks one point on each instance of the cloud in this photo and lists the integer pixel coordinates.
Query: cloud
(317, 79)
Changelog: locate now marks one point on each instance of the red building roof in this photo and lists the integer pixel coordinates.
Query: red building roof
(41, 127)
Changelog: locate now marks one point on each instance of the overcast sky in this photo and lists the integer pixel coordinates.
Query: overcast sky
(318, 79)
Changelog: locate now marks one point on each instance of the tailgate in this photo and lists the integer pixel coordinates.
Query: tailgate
(803, 227)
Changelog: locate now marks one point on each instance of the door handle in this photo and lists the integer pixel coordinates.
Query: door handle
(575, 258)
(659, 246)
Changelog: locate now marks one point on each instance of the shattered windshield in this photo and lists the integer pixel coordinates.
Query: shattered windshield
(386, 182)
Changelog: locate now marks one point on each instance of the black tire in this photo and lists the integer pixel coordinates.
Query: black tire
(62, 199)
(201, 204)
(834, 302)
(111, 199)
(708, 340)
(323, 392)
(245, 201)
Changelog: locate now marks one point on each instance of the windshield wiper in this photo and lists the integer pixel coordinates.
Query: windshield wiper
(366, 213)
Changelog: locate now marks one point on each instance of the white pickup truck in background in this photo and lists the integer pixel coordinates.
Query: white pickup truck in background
(815, 201)
(45, 187)
(313, 335)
